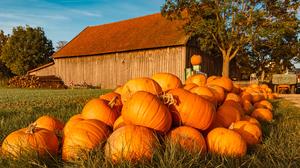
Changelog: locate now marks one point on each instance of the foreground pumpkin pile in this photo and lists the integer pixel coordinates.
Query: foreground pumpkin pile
(204, 115)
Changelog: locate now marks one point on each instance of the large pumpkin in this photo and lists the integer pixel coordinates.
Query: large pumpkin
(233, 97)
(100, 110)
(251, 133)
(223, 82)
(236, 105)
(82, 137)
(146, 109)
(227, 114)
(167, 81)
(119, 90)
(49, 123)
(199, 79)
(206, 93)
(188, 138)
(226, 142)
(189, 86)
(193, 110)
(72, 121)
(140, 84)
(262, 114)
(30, 140)
(114, 100)
(252, 120)
(218, 92)
(264, 104)
(246, 96)
(130, 143)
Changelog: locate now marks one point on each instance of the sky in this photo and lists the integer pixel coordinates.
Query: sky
(64, 19)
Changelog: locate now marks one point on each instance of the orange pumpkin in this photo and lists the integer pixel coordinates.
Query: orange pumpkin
(73, 120)
(119, 123)
(205, 92)
(167, 81)
(188, 138)
(114, 100)
(189, 86)
(146, 109)
(49, 123)
(130, 143)
(196, 60)
(262, 114)
(199, 79)
(236, 105)
(219, 93)
(246, 96)
(247, 106)
(226, 142)
(227, 114)
(264, 104)
(193, 110)
(82, 137)
(251, 133)
(100, 110)
(223, 82)
(236, 89)
(252, 120)
(119, 90)
(30, 140)
(233, 97)
(140, 84)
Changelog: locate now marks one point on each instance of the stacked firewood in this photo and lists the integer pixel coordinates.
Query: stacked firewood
(31, 81)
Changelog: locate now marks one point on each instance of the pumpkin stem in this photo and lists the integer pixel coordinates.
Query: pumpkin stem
(113, 101)
(231, 126)
(31, 128)
(167, 99)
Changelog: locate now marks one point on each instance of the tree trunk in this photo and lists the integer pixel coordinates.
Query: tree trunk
(225, 69)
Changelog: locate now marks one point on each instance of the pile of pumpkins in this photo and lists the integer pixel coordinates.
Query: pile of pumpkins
(203, 115)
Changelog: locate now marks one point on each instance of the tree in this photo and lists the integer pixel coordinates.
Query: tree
(60, 45)
(26, 49)
(230, 25)
(4, 71)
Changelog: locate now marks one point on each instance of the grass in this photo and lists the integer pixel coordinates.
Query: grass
(20, 107)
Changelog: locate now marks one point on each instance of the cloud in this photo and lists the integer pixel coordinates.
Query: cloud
(86, 13)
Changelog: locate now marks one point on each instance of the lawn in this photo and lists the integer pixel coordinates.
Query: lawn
(20, 107)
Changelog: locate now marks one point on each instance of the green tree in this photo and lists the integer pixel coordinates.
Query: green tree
(26, 49)
(230, 25)
(4, 71)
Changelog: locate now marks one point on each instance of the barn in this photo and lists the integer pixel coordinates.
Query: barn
(110, 54)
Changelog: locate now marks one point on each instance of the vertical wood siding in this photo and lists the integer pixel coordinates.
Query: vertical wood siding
(49, 70)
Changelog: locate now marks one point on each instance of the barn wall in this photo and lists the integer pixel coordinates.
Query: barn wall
(110, 70)
(49, 70)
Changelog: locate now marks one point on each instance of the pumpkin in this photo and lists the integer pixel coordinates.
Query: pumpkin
(188, 138)
(205, 92)
(264, 104)
(256, 94)
(131, 143)
(118, 90)
(247, 106)
(196, 60)
(114, 100)
(30, 140)
(49, 123)
(262, 114)
(167, 81)
(236, 89)
(219, 93)
(264, 86)
(193, 110)
(236, 105)
(226, 142)
(100, 110)
(233, 97)
(119, 123)
(73, 120)
(251, 133)
(271, 96)
(146, 109)
(246, 96)
(83, 137)
(199, 79)
(140, 84)
(211, 78)
(227, 114)
(189, 86)
(223, 82)
(252, 120)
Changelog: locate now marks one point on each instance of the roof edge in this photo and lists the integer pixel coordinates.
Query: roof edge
(41, 67)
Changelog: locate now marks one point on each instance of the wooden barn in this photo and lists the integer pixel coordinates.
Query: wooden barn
(108, 55)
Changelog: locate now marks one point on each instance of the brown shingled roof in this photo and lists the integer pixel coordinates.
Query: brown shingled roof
(152, 31)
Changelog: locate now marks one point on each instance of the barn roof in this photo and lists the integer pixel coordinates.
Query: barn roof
(147, 32)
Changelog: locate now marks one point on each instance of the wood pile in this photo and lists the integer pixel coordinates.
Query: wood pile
(31, 81)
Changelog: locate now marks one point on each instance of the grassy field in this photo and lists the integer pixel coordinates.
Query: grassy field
(20, 107)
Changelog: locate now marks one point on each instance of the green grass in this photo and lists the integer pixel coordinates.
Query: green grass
(20, 107)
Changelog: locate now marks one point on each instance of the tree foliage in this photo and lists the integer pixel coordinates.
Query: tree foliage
(60, 45)
(26, 49)
(237, 27)
(4, 71)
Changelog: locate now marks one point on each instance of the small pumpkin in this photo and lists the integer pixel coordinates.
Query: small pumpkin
(233, 97)
(246, 96)
(227, 114)
(199, 79)
(236, 105)
(236, 89)
(188, 138)
(49, 123)
(264, 104)
(196, 60)
(31, 139)
(130, 143)
(226, 142)
(252, 120)
(251, 133)
(262, 114)
(167, 81)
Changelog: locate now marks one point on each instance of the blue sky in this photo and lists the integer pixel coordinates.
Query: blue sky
(64, 19)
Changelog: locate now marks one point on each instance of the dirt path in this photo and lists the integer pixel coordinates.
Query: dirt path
(295, 98)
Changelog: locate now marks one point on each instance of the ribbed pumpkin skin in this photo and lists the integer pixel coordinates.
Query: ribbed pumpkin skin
(236, 89)
(145, 109)
(227, 114)
(20, 142)
(247, 106)
(251, 133)
(223, 82)
(49, 123)
(119, 123)
(218, 92)
(198, 79)
(119, 90)
(72, 121)
(246, 96)
(205, 92)
(167, 81)
(226, 142)
(252, 120)
(236, 105)
(130, 143)
(264, 104)
(233, 97)
(193, 110)
(84, 136)
(113, 96)
(188, 138)
(262, 114)
(189, 86)
(99, 109)
(140, 84)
